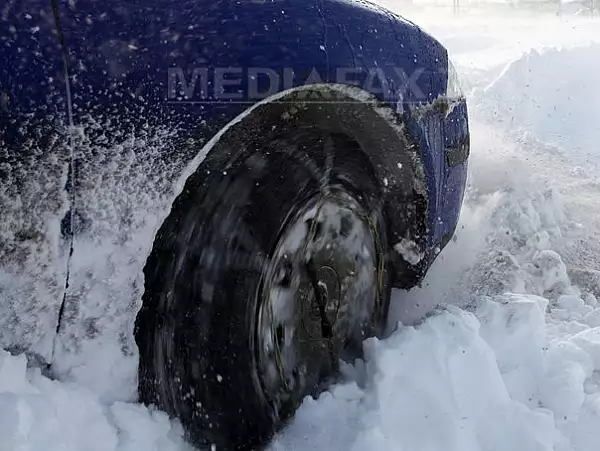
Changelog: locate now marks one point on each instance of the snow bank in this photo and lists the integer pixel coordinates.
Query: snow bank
(502, 377)
(499, 375)
(552, 94)
(38, 414)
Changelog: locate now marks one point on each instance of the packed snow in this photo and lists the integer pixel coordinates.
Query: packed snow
(500, 347)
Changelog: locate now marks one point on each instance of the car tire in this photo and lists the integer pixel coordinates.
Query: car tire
(271, 267)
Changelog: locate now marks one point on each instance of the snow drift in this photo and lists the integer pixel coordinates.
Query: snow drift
(501, 376)
(493, 379)
(552, 94)
(39, 414)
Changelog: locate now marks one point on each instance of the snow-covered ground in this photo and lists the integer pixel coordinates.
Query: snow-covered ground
(510, 359)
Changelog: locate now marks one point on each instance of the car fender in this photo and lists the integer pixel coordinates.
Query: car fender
(136, 121)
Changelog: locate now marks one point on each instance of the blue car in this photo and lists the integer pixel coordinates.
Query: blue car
(304, 157)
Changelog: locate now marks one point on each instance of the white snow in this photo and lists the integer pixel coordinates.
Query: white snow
(38, 414)
(409, 251)
(548, 91)
(500, 347)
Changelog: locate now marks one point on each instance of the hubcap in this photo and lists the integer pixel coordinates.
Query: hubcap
(318, 294)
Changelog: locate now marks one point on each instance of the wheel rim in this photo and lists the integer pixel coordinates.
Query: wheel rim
(318, 297)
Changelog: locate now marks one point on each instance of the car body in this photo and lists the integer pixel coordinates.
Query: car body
(91, 161)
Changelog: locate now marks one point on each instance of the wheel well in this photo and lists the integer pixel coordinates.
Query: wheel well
(225, 221)
(394, 155)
